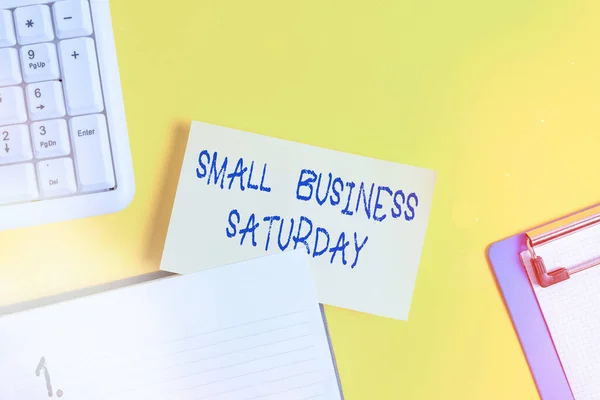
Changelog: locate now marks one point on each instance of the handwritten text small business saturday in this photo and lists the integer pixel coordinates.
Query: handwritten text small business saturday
(351, 199)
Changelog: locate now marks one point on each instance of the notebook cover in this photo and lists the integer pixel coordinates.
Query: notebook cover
(527, 318)
(20, 307)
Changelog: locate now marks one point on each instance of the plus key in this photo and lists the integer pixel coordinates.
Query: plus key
(81, 76)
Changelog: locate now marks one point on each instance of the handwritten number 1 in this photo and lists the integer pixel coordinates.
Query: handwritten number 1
(42, 366)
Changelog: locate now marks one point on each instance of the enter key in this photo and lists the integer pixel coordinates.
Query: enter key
(91, 148)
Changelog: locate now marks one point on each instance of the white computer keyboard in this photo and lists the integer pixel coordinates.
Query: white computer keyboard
(64, 148)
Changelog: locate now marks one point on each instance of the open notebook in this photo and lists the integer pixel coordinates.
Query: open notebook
(251, 330)
(571, 308)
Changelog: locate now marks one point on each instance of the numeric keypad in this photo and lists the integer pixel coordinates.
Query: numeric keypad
(54, 138)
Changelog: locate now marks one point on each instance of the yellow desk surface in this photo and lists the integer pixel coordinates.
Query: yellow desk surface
(501, 98)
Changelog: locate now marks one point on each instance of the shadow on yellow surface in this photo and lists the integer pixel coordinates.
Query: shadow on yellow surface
(161, 215)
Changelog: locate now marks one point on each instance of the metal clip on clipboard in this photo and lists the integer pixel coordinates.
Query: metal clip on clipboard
(555, 231)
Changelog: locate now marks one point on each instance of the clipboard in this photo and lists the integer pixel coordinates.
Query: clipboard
(521, 302)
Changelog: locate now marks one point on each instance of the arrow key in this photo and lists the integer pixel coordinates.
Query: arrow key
(15, 145)
(45, 100)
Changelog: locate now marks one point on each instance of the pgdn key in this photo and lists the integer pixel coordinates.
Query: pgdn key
(91, 148)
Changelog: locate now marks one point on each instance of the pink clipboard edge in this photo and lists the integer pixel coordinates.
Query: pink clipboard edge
(527, 318)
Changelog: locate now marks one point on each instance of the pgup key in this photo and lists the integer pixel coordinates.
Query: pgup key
(40, 62)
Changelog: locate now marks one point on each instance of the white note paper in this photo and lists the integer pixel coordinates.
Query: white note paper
(362, 221)
(571, 308)
(251, 330)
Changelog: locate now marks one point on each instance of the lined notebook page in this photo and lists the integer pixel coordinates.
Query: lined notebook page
(251, 330)
(572, 309)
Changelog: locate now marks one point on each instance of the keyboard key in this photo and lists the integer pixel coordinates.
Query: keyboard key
(10, 70)
(18, 183)
(40, 62)
(50, 138)
(57, 177)
(7, 29)
(12, 106)
(81, 78)
(72, 18)
(45, 100)
(91, 148)
(34, 24)
(14, 144)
